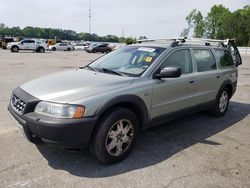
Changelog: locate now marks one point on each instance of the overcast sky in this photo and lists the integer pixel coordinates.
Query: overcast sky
(152, 18)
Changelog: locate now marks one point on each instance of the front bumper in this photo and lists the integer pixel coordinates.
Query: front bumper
(67, 133)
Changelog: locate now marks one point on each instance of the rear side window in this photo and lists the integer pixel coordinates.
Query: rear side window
(181, 59)
(225, 58)
(205, 60)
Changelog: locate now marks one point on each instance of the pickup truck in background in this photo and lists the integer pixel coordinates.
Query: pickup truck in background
(28, 44)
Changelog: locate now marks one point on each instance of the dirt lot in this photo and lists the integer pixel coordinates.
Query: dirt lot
(196, 151)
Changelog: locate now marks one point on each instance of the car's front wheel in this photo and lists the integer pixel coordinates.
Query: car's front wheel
(14, 49)
(115, 136)
(222, 103)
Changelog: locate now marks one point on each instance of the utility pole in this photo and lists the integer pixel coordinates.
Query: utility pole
(89, 16)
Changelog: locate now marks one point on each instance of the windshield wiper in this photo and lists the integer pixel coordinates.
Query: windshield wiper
(112, 71)
(92, 68)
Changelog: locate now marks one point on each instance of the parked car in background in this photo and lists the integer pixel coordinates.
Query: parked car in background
(28, 44)
(99, 47)
(81, 46)
(61, 47)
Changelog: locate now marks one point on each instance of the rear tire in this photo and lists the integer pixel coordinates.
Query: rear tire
(68, 49)
(115, 135)
(94, 51)
(53, 49)
(107, 51)
(222, 103)
(14, 49)
(41, 50)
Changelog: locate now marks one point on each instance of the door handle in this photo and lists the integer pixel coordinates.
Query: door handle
(191, 81)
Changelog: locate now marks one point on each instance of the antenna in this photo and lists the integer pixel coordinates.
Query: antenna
(89, 16)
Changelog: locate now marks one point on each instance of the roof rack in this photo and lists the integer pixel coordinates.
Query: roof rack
(162, 39)
(175, 41)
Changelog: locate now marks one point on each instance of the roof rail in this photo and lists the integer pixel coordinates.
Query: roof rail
(175, 41)
(162, 39)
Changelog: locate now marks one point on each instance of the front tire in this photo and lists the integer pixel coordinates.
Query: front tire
(53, 49)
(14, 49)
(68, 49)
(115, 136)
(222, 103)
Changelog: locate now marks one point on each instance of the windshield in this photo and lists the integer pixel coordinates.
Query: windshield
(129, 60)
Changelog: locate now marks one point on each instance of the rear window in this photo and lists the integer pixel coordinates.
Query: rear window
(205, 60)
(225, 58)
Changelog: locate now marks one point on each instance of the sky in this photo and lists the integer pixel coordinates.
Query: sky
(151, 18)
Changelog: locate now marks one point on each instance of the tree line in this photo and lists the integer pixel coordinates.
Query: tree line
(50, 33)
(220, 23)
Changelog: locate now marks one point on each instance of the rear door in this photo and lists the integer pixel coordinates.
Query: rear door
(207, 78)
(31, 45)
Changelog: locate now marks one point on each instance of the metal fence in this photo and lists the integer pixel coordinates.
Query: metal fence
(244, 50)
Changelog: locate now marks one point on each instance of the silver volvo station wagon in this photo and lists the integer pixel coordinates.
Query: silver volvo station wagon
(104, 105)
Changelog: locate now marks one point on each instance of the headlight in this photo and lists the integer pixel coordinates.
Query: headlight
(60, 110)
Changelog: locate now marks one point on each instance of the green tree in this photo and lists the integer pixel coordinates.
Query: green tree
(190, 23)
(215, 22)
(199, 25)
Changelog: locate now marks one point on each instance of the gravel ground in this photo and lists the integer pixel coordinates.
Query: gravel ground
(195, 151)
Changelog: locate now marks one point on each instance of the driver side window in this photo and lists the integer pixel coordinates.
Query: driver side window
(181, 59)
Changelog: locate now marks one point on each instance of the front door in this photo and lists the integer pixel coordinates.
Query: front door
(174, 94)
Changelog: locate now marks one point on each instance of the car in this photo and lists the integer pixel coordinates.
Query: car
(61, 46)
(28, 44)
(103, 106)
(96, 47)
(81, 46)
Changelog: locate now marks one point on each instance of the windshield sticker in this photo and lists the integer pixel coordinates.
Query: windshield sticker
(146, 49)
(148, 59)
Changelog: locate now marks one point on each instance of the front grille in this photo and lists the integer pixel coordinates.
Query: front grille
(18, 104)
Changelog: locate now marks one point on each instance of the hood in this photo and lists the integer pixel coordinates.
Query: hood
(12, 43)
(68, 86)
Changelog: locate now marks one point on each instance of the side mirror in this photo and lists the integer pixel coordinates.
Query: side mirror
(169, 72)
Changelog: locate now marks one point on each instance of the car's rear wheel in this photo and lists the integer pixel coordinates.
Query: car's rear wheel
(41, 50)
(94, 51)
(14, 49)
(54, 49)
(115, 136)
(222, 103)
(107, 51)
(68, 49)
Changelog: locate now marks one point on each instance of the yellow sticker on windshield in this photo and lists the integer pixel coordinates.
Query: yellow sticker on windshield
(148, 59)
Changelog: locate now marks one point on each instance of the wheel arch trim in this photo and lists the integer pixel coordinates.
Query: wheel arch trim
(132, 102)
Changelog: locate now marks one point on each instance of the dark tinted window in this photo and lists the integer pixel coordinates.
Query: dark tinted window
(181, 59)
(24, 41)
(205, 60)
(225, 58)
(28, 41)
